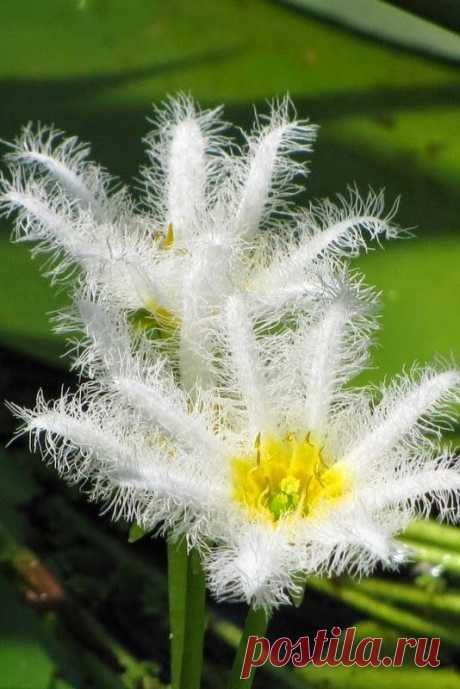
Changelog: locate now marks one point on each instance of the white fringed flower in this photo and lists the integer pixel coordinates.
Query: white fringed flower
(282, 469)
(203, 230)
(220, 356)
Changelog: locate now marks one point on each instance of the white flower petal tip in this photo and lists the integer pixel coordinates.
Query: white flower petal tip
(256, 568)
(220, 355)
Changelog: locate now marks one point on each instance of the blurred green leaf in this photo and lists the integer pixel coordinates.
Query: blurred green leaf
(424, 553)
(443, 12)
(389, 636)
(18, 484)
(415, 623)
(136, 532)
(27, 300)
(24, 659)
(445, 536)
(406, 27)
(61, 684)
(420, 285)
(377, 678)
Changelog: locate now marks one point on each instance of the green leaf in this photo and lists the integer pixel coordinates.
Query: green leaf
(377, 678)
(420, 287)
(443, 12)
(136, 532)
(27, 300)
(382, 21)
(187, 596)
(409, 595)
(18, 484)
(24, 658)
(416, 624)
(61, 684)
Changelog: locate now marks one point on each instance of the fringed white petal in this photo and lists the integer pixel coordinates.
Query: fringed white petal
(330, 229)
(154, 404)
(397, 415)
(52, 224)
(65, 160)
(186, 174)
(206, 282)
(246, 365)
(71, 437)
(423, 489)
(108, 339)
(135, 479)
(37, 219)
(258, 568)
(350, 540)
(268, 169)
(184, 150)
(58, 226)
(332, 351)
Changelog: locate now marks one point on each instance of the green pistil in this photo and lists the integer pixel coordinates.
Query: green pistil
(283, 502)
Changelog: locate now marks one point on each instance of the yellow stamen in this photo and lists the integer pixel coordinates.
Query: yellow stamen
(168, 241)
(162, 315)
(286, 478)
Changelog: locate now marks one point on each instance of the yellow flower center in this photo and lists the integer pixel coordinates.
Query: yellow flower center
(286, 478)
(154, 316)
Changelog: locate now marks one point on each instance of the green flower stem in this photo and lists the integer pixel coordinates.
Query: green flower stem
(384, 612)
(429, 531)
(420, 552)
(407, 594)
(187, 599)
(256, 624)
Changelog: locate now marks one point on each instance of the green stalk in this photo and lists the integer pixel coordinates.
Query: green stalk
(255, 625)
(420, 552)
(407, 594)
(417, 625)
(440, 535)
(187, 598)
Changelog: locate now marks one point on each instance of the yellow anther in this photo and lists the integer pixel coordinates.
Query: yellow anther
(168, 241)
(290, 485)
(257, 446)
